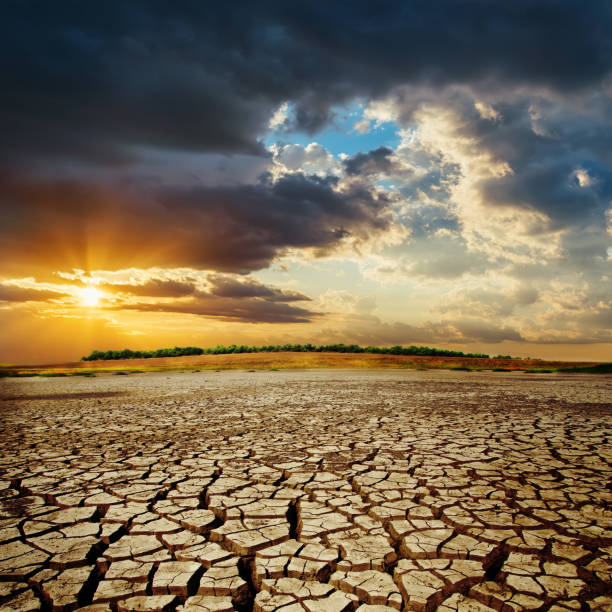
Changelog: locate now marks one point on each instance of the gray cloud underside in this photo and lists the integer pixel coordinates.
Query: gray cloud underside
(228, 228)
(219, 285)
(13, 293)
(226, 298)
(155, 288)
(369, 329)
(239, 309)
(228, 287)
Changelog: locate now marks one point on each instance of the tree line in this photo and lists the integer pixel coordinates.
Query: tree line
(179, 351)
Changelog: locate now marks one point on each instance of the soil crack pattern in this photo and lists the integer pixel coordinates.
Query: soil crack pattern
(306, 491)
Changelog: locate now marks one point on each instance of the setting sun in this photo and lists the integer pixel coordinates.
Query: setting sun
(90, 296)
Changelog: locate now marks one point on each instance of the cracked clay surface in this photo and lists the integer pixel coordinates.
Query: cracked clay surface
(317, 491)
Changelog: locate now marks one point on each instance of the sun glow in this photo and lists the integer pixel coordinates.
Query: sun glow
(90, 296)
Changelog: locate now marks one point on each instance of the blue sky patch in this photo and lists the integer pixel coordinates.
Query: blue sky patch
(340, 136)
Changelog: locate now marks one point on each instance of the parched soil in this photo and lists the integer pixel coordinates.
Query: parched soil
(286, 360)
(316, 491)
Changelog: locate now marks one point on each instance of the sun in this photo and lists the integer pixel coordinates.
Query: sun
(90, 296)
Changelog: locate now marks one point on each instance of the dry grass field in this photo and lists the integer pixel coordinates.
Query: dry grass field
(287, 360)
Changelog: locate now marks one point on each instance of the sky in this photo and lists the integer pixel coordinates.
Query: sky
(189, 173)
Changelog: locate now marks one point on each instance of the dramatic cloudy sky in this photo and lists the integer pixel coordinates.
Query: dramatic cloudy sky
(375, 172)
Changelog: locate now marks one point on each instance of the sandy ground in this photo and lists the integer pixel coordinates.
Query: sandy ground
(370, 490)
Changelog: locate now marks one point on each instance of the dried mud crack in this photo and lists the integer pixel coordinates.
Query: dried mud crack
(310, 491)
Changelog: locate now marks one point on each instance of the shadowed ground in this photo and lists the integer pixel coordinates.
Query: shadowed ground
(306, 490)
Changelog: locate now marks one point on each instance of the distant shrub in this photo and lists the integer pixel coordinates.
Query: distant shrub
(13, 374)
(129, 354)
(178, 351)
(601, 368)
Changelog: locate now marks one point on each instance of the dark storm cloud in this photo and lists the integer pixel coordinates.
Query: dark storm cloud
(229, 228)
(91, 80)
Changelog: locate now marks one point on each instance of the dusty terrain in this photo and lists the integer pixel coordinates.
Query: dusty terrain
(318, 491)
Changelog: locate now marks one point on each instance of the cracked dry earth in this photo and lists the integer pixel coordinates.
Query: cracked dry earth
(317, 491)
